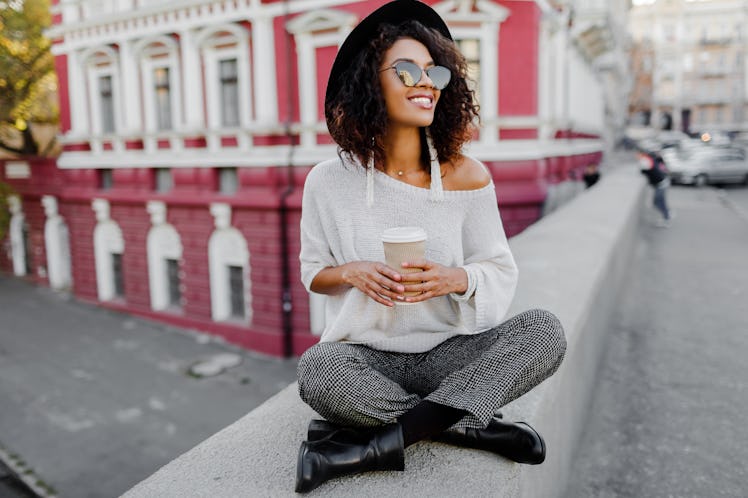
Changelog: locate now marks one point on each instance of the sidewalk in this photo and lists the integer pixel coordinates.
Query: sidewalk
(95, 401)
(667, 415)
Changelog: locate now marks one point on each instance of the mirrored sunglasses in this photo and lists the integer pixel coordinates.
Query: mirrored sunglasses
(410, 74)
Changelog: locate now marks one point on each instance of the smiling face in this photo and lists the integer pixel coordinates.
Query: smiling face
(408, 106)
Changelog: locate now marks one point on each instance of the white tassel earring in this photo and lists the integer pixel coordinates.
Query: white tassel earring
(437, 191)
(370, 183)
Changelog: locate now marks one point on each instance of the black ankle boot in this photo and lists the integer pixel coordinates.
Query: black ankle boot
(332, 457)
(516, 441)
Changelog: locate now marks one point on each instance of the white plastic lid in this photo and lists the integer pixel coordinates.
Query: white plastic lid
(404, 234)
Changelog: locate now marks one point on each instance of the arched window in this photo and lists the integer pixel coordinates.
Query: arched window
(475, 27)
(57, 242)
(109, 247)
(317, 34)
(19, 249)
(225, 54)
(103, 81)
(160, 78)
(164, 260)
(228, 257)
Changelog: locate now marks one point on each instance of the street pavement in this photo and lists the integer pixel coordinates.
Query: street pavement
(668, 416)
(93, 401)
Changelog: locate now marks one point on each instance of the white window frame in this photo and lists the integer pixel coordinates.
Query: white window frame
(481, 24)
(107, 240)
(313, 30)
(163, 242)
(93, 72)
(227, 247)
(146, 50)
(212, 52)
(57, 243)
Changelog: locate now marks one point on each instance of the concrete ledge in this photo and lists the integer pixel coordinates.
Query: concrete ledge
(572, 263)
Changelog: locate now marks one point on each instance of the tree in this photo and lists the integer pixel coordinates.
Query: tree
(27, 78)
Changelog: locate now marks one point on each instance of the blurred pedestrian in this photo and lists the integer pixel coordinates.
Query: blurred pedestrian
(591, 175)
(653, 167)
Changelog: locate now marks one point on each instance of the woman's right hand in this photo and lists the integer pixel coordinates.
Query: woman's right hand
(376, 280)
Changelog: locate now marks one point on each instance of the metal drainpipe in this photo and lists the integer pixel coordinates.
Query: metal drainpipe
(286, 300)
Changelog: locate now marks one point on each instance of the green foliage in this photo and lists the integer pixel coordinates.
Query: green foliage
(27, 79)
(5, 192)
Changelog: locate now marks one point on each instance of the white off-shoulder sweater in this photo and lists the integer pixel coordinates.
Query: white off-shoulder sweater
(463, 228)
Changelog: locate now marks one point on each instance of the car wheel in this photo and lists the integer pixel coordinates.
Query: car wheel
(700, 180)
(745, 180)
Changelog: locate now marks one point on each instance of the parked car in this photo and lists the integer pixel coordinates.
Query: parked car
(707, 165)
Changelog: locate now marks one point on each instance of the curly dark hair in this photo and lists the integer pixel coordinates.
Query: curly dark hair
(357, 113)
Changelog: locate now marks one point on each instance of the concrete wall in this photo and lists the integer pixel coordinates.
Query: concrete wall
(572, 263)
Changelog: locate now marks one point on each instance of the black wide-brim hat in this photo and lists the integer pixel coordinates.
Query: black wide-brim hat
(395, 13)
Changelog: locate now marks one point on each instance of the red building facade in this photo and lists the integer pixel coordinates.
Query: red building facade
(188, 134)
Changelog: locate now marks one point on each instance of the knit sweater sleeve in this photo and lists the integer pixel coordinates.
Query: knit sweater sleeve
(488, 261)
(316, 253)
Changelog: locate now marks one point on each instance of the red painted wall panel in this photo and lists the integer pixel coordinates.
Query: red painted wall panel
(194, 225)
(63, 96)
(81, 221)
(518, 59)
(325, 58)
(286, 72)
(134, 222)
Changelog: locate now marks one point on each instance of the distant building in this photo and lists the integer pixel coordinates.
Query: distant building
(692, 53)
(189, 127)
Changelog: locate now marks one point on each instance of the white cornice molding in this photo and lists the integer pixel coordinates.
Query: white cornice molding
(278, 156)
(173, 17)
(525, 150)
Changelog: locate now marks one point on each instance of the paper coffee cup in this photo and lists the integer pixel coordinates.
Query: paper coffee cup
(404, 244)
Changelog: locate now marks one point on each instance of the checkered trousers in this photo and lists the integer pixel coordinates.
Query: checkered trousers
(355, 385)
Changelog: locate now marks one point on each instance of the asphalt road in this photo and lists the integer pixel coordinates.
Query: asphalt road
(94, 401)
(737, 198)
(668, 416)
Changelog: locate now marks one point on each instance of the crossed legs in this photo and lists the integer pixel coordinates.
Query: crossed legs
(409, 397)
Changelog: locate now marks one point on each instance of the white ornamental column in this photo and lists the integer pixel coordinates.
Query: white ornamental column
(191, 82)
(79, 112)
(266, 91)
(131, 119)
(307, 64)
(489, 59)
(129, 70)
(545, 79)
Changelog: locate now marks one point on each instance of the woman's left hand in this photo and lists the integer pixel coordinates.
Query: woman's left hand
(433, 280)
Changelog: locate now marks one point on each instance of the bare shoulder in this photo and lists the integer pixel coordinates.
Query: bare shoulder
(466, 173)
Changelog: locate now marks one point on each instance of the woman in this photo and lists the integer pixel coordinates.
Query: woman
(385, 375)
